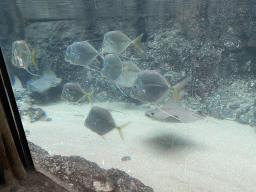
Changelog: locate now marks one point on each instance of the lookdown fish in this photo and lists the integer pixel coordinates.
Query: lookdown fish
(150, 86)
(81, 53)
(127, 78)
(173, 112)
(22, 57)
(101, 122)
(73, 92)
(112, 67)
(116, 42)
(47, 80)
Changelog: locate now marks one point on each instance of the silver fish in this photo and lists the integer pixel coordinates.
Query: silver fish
(116, 42)
(173, 112)
(101, 122)
(112, 67)
(45, 82)
(73, 92)
(22, 57)
(81, 53)
(150, 86)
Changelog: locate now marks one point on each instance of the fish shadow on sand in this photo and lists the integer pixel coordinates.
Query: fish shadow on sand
(170, 143)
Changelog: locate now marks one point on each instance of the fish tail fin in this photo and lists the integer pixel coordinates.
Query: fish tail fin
(137, 42)
(88, 95)
(181, 84)
(32, 55)
(120, 128)
(125, 72)
(176, 88)
(176, 95)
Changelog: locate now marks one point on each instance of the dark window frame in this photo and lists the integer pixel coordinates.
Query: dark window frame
(13, 117)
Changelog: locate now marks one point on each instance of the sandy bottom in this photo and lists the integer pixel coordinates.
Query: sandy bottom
(208, 155)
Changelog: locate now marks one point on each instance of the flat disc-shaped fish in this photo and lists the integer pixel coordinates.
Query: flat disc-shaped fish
(22, 57)
(117, 42)
(100, 121)
(149, 86)
(173, 112)
(112, 67)
(72, 92)
(45, 82)
(80, 53)
(20, 54)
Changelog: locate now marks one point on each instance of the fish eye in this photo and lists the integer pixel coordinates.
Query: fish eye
(134, 86)
(151, 114)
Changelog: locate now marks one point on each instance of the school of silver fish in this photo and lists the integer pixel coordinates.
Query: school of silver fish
(148, 86)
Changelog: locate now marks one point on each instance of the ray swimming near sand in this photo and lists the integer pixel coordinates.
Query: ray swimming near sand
(44, 82)
(173, 112)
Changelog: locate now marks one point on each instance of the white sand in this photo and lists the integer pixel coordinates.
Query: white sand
(208, 155)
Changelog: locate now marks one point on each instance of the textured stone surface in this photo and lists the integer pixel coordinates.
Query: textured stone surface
(83, 175)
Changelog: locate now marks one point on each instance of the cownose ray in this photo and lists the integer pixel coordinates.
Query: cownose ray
(47, 80)
(174, 112)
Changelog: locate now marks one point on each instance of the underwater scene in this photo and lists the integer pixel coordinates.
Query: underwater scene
(136, 95)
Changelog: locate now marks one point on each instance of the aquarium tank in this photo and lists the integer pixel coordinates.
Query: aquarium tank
(136, 95)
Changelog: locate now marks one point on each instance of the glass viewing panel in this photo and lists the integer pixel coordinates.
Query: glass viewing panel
(163, 90)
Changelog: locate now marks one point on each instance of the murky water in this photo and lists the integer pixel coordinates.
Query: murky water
(193, 136)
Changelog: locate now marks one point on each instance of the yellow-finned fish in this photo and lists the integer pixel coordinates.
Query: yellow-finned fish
(101, 122)
(73, 92)
(22, 57)
(116, 42)
(81, 53)
(150, 86)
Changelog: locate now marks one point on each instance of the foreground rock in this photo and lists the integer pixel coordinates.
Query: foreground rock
(83, 175)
